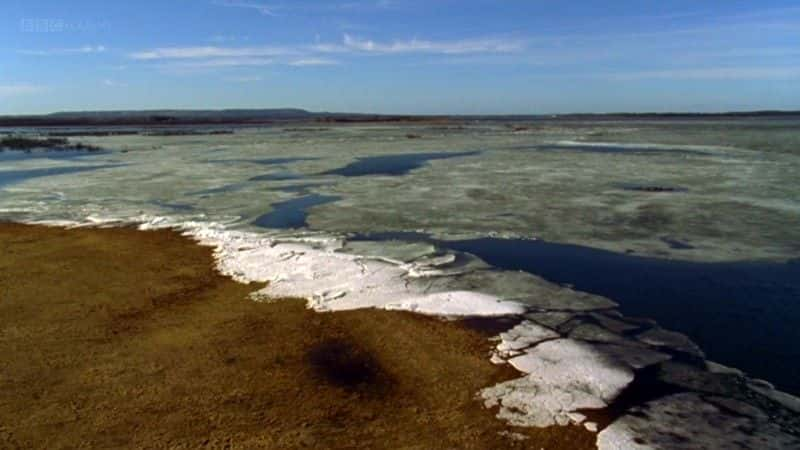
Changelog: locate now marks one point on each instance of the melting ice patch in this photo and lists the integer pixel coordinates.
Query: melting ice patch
(53, 154)
(563, 376)
(292, 213)
(612, 147)
(333, 281)
(265, 161)
(8, 177)
(392, 165)
(277, 176)
(688, 421)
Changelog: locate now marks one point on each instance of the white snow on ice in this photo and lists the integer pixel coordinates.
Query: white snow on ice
(563, 376)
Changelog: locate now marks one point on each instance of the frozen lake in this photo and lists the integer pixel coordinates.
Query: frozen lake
(693, 224)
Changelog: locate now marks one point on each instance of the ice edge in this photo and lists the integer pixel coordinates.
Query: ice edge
(574, 359)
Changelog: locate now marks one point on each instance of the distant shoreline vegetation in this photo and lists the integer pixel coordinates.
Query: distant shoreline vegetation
(163, 118)
(28, 144)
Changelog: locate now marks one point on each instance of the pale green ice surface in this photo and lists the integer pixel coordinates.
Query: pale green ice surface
(742, 198)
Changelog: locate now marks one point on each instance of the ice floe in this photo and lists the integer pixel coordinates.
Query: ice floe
(612, 324)
(786, 400)
(563, 376)
(522, 336)
(636, 357)
(595, 333)
(687, 421)
(551, 319)
(457, 303)
(331, 280)
(670, 339)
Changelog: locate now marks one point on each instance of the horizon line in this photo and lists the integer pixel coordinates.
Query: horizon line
(389, 114)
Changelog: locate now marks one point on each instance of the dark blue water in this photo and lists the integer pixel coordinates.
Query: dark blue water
(742, 314)
(265, 161)
(292, 213)
(299, 188)
(392, 164)
(656, 189)
(8, 177)
(677, 244)
(278, 176)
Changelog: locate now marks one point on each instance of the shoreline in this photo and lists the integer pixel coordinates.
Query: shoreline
(120, 337)
(581, 366)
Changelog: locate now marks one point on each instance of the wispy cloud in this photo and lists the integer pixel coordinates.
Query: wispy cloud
(349, 44)
(86, 49)
(210, 52)
(112, 83)
(714, 73)
(313, 62)
(223, 62)
(263, 9)
(315, 54)
(11, 90)
(307, 8)
(483, 45)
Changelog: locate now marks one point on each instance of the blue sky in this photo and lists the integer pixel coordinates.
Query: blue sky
(400, 56)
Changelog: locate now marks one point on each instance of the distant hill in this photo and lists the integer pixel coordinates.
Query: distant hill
(679, 115)
(166, 117)
(194, 117)
(185, 114)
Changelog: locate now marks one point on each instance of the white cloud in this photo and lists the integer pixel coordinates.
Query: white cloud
(209, 52)
(10, 90)
(86, 49)
(223, 62)
(113, 83)
(263, 9)
(313, 55)
(465, 46)
(308, 8)
(349, 45)
(313, 62)
(322, 47)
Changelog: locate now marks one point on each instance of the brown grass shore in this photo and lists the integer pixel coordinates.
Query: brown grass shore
(117, 338)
